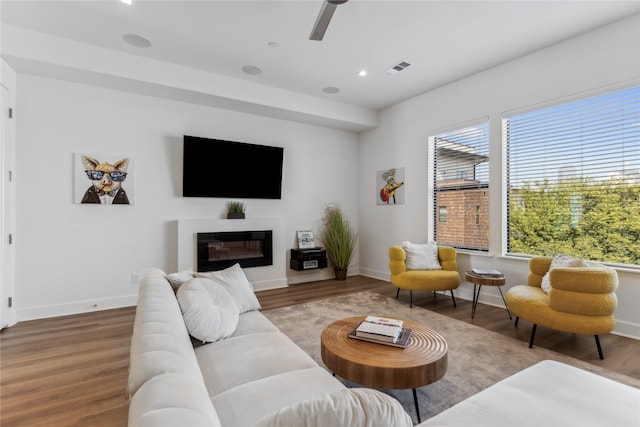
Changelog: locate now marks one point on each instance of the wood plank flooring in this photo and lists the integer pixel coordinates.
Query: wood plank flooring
(72, 370)
(66, 371)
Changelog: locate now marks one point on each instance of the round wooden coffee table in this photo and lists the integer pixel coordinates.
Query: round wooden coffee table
(423, 362)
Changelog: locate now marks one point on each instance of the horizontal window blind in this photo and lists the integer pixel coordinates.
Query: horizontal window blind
(574, 179)
(461, 190)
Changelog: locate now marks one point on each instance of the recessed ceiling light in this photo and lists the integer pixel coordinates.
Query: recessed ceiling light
(136, 40)
(362, 73)
(252, 69)
(331, 90)
(129, 2)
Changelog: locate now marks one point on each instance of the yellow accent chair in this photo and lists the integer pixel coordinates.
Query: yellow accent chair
(581, 300)
(446, 279)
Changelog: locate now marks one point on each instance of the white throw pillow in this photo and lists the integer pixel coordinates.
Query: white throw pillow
(421, 256)
(560, 261)
(349, 407)
(177, 279)
(236, 283)
(209, 312)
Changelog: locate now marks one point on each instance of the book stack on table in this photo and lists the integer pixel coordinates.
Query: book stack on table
(382, 330)
(487, 273)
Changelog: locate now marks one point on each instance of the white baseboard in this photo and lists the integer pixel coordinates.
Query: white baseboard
(263, 285)
(310, 276)
(375, 274)
(320, 274)
(627, 329)
(77, 307)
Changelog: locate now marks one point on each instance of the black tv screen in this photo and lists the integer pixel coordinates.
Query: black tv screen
(218, 168)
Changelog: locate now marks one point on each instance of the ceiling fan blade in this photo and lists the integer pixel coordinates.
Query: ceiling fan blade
(322, 21)
(324, 17)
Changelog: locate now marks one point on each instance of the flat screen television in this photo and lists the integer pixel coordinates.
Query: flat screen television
(219, 168)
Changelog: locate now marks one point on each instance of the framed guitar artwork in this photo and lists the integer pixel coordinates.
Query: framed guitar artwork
(390, 186)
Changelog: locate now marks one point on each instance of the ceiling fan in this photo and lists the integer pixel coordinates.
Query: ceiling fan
(324, 17)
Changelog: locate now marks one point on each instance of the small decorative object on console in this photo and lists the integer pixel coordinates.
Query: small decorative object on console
(306, 239)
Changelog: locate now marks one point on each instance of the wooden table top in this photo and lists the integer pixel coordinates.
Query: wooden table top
(469, 276)
(423, 362)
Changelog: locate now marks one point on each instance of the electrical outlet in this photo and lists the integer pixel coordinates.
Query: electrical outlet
(135, 278)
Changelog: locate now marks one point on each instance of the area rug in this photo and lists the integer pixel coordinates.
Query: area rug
(477, 357)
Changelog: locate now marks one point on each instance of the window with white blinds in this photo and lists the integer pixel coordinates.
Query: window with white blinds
(573, 178)
(461, 189)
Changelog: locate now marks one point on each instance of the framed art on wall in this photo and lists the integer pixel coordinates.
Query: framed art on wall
(104, 180)
(390, 186)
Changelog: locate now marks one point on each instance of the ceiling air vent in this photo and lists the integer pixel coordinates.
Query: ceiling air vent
(398, 67)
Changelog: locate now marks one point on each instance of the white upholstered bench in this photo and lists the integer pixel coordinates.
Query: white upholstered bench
(548, 393)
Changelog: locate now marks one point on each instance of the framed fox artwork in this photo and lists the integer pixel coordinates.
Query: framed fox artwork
(103, 179)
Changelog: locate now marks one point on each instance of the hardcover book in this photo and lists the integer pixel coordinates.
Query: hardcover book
(486, 273)
(383, 320)
(402, 340)
(382, 332)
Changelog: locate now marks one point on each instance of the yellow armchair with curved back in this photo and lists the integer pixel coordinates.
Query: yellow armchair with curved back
(446, 279)
(581, 300)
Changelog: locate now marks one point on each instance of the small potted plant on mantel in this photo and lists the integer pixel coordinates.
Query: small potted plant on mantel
(339, 239)
(235, 210)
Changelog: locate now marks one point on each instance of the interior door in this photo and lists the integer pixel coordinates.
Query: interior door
(7, 207)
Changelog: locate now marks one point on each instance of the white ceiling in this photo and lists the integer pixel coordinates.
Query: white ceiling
(442, 40)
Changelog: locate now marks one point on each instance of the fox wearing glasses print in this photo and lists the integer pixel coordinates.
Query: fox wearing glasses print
(106, 182)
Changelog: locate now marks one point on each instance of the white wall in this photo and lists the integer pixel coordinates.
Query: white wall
(605, 57)
(74, 258)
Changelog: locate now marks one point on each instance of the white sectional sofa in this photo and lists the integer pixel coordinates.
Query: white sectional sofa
(259, 377)
(255, 377)
(548, 393)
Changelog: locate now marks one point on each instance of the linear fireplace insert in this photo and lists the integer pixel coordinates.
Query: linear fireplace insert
(219, 250)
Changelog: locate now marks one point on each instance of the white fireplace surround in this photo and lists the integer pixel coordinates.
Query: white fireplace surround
(266, 277)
